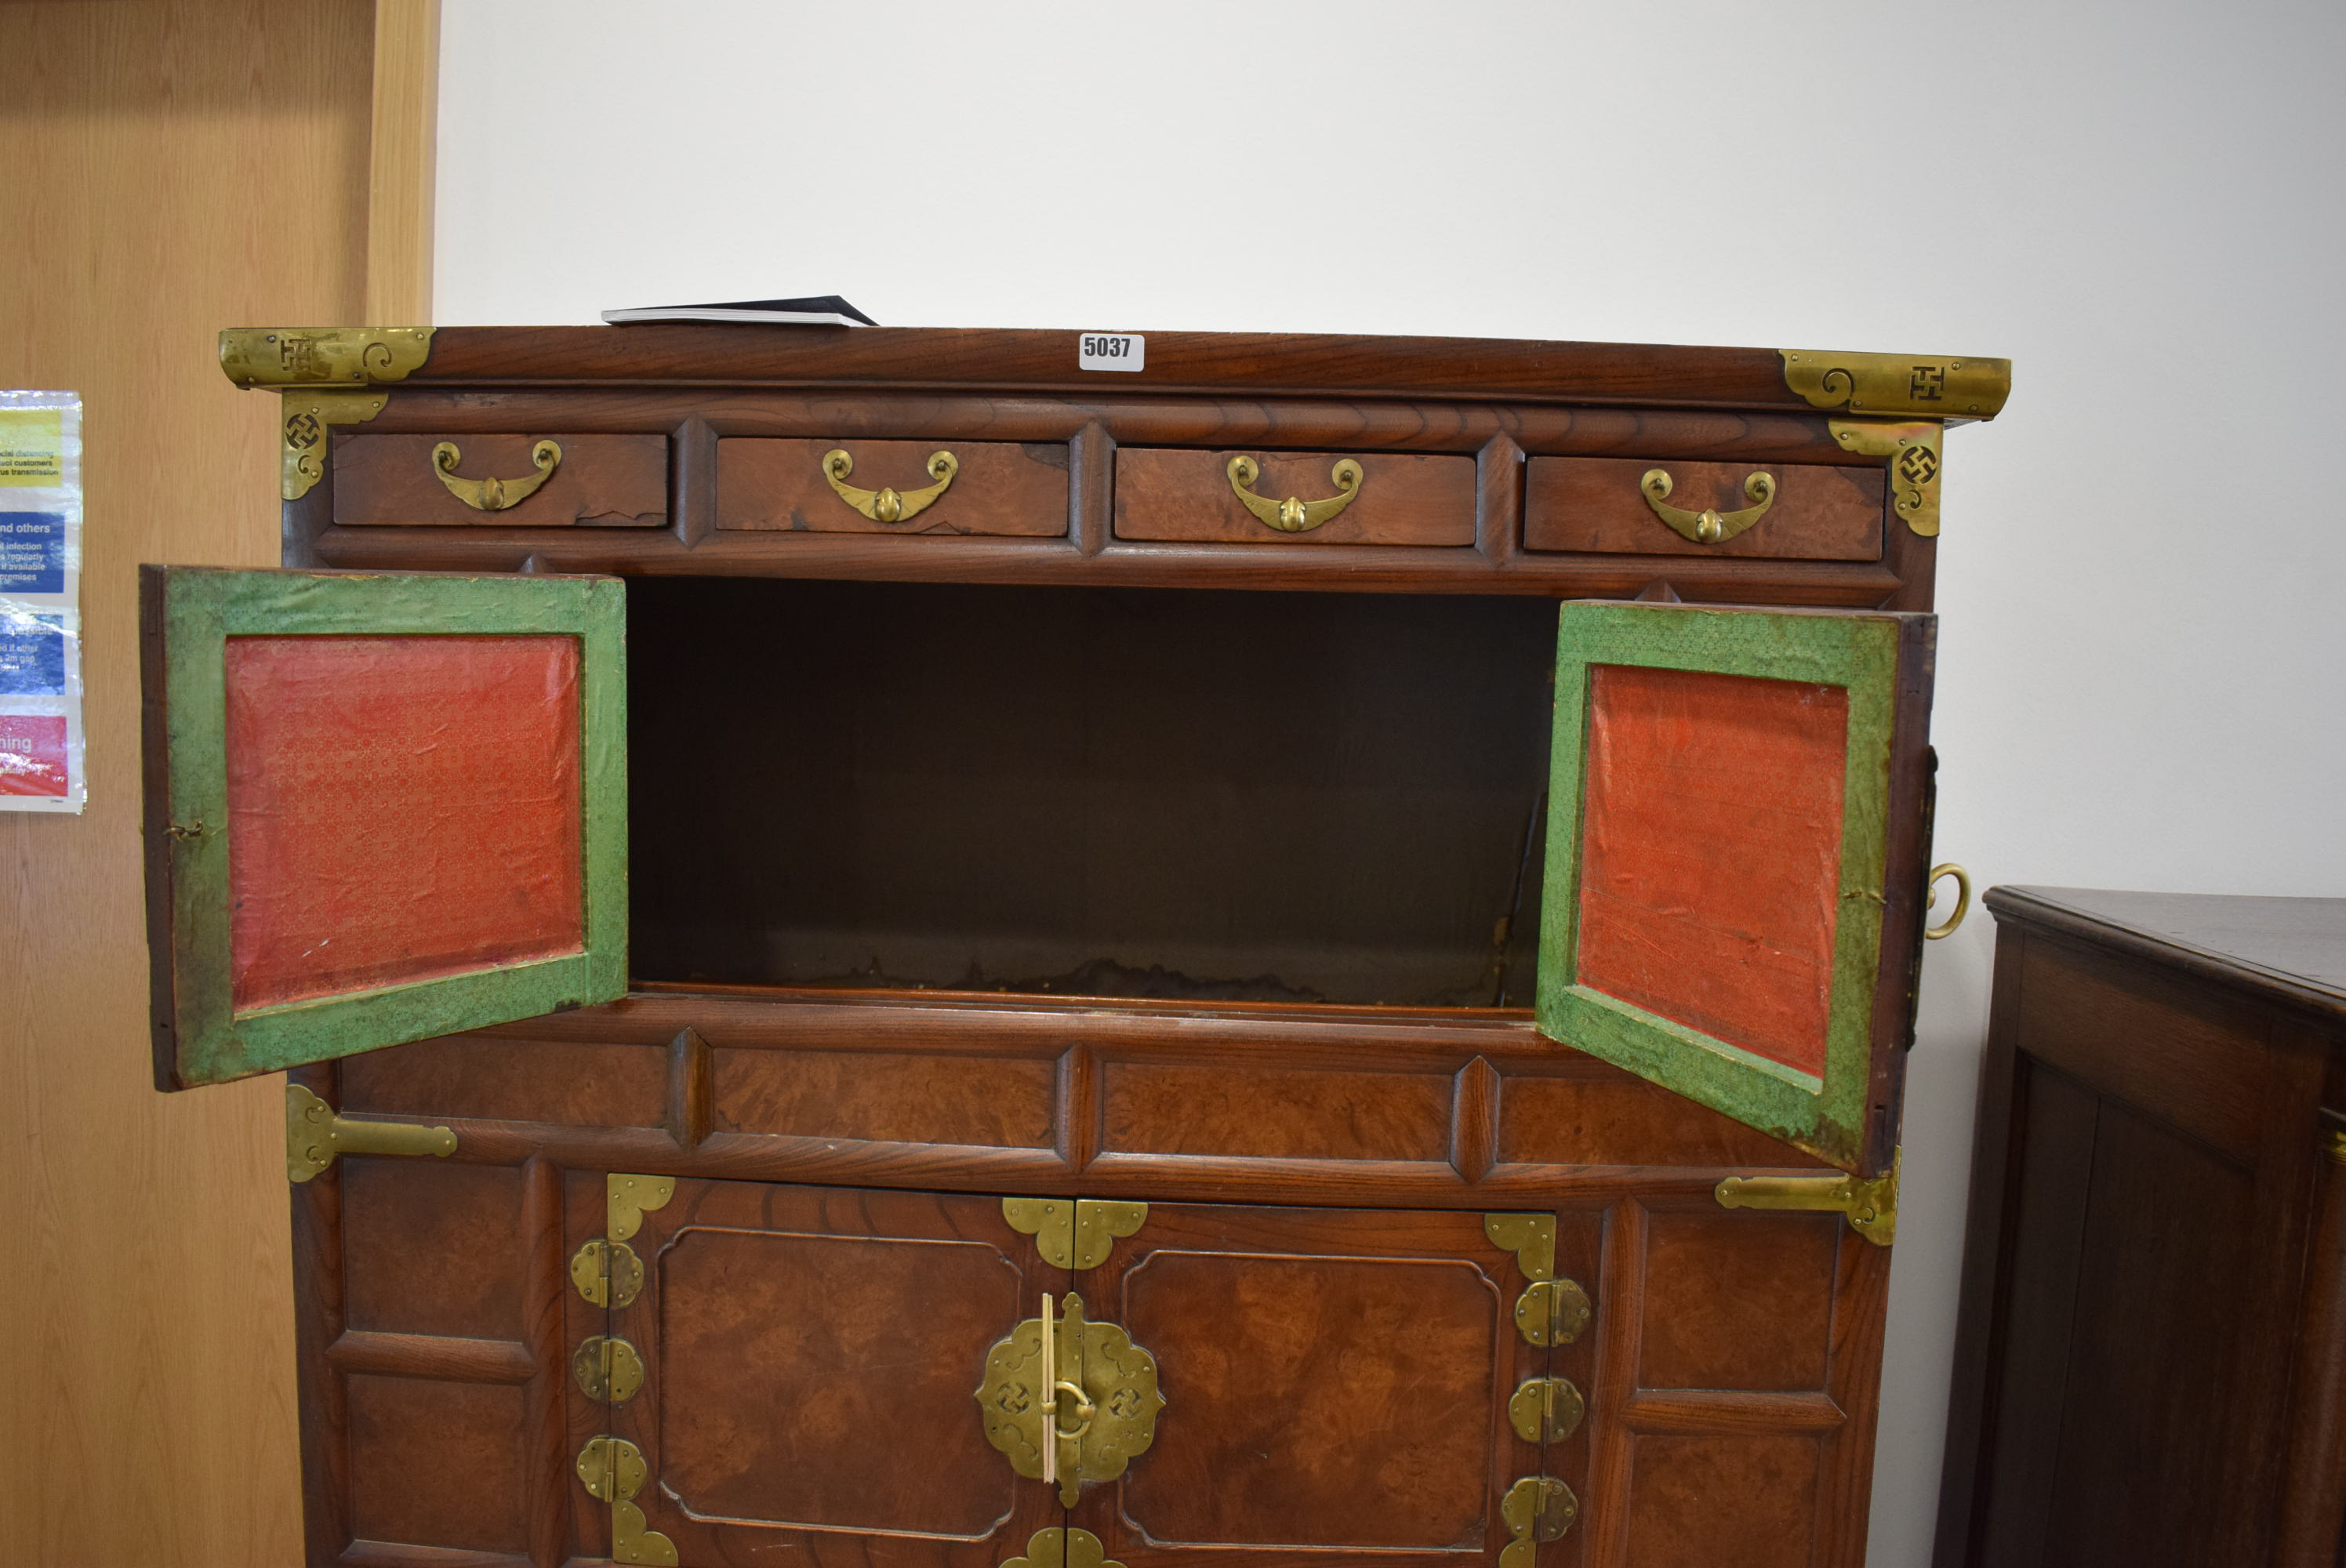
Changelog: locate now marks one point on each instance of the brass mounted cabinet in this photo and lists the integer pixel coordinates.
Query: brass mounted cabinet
(893, 952)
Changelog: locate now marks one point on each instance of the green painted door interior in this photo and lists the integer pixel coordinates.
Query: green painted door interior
(1733, 864)
(379, 808)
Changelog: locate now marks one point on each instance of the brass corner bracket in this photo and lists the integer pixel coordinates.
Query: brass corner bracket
(1550, 1311)
(1077, 1234)
(306, 356)
(627, 1198)
(1924, 386)
(326, 374)
(613, 1470)
(308, 414)
(1067, 1548)
(1912, 448)
(1871, 1204)
(315, 1134)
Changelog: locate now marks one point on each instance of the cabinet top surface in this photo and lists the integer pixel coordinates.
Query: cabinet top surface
(1910, 385)
(2289, 949)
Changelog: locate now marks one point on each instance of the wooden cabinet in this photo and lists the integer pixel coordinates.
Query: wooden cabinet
(1275, 981)
(2151, 1365)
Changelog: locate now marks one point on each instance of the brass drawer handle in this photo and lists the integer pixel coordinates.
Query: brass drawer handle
(884, 505)
(1291, 516)
(495, 495)
(1963, 898)
(1708, 527)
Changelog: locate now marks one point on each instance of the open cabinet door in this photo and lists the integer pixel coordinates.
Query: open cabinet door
(1734, 860)
(378, 807)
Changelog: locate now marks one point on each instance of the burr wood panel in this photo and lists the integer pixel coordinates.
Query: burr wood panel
(809, 1355)
(1267, 1112)
(1739, 1301)
(437, 1463)
(576, 1083)
(439, 1255)
(887, 1098)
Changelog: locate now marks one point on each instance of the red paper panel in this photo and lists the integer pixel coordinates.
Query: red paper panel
(399, 809)
(1710, 852)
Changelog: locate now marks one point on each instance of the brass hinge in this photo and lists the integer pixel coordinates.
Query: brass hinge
(315, 1135)
(1075, 1233)
(1546, 1410)
(608, 1273)
(1048, 1364)
(1068, 1548)
(1536, 1508)
(1916, 386)
(1550, 1311)
(613, 1470)
(1870, 1205)
(608, 1370)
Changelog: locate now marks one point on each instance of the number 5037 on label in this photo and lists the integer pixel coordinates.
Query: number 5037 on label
(1110, 351)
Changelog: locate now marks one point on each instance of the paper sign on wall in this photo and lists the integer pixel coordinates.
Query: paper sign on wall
(40, 602)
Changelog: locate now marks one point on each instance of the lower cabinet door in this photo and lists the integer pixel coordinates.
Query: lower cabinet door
(1342, 1383)
(808, 1359)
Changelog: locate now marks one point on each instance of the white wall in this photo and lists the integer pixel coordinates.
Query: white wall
(2138, 204)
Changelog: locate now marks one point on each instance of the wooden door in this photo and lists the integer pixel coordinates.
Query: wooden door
(379, 808)
(1737, 844)
(1336, 1383)
(810, 1356)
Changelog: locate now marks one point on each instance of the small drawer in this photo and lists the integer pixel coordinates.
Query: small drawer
(1402, 498)
(996, 487)
(501, 481)
(1820, 512)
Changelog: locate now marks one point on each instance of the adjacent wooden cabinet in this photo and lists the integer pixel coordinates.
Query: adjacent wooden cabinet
(2151, 1364)
(898, 953)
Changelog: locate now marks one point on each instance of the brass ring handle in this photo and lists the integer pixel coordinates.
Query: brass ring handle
(495, 495)
(1292, 515)
(884, 505)
(1706, 526)
(1084, 1411)
(1963, 898)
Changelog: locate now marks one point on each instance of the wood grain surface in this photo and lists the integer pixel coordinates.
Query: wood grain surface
(810, 1356)
(192, 166)
(1403, 499)
(1001, 488)
(1593, 503)
(600, 481)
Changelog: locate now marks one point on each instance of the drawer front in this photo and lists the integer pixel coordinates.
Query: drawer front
(1598, 504)
(996, 487)
(590, 481)
(1402, 498)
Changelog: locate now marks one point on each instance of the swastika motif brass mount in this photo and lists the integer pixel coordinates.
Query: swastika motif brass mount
(1083, 1388)
(1912, 386)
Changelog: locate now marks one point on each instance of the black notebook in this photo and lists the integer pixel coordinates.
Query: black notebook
(819, 310)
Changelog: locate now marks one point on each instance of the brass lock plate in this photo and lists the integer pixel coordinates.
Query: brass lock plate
(1088, 1390)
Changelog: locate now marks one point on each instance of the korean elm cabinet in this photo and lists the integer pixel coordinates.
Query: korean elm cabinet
(894, 951)
(2150, 1364)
